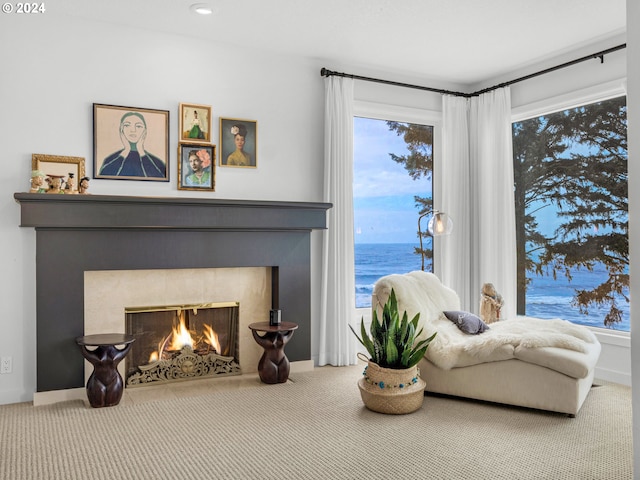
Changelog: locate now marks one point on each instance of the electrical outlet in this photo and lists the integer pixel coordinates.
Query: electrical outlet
(5, 364)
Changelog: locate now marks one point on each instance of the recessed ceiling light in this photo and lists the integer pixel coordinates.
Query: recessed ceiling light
(201, 8)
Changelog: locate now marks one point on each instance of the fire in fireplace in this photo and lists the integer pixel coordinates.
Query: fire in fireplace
(182, 342)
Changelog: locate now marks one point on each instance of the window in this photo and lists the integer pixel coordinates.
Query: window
(570, 170)
(393, 163)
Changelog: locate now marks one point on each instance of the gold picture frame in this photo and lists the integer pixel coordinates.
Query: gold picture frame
(195, 123)
(232, 154)
(200, 175)
(59, 166)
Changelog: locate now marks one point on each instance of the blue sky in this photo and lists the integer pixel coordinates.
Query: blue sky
(383, 191)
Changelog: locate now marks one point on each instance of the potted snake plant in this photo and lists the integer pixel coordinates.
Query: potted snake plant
(391, 380)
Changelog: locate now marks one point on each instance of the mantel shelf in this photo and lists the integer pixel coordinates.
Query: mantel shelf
(115, 211)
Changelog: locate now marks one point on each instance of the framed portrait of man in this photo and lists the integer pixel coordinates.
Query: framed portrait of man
(130, 143)
(196, 167)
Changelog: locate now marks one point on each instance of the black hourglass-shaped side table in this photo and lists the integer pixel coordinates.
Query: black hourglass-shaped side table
(274, 364)
(105, 385)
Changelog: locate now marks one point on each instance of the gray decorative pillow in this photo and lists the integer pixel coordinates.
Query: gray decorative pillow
(467, 322)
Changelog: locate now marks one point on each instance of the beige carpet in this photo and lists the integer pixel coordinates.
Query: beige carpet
(314, 427)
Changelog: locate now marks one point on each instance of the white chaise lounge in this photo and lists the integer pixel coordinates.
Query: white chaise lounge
(528, 362)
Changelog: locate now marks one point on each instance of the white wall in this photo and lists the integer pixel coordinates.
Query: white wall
(633, 102)
(53, 68)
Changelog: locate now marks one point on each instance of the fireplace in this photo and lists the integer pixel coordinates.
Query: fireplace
(182, 342)
(251, 288)
(78, 234)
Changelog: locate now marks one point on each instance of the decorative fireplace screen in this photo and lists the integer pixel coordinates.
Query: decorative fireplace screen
(182, 342)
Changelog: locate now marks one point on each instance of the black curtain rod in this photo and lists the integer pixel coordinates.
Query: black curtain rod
(327, 73)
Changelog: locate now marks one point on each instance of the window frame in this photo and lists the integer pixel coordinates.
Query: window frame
(596, 93)
(381, 111)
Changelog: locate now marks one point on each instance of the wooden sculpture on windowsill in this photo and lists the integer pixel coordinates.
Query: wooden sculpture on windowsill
(490, 303)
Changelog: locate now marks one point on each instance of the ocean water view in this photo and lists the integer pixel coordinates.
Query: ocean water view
(546, 298)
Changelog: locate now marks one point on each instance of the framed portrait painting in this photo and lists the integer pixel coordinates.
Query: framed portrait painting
(238, 143)
(195, 123)
(196, 167)
(130, 143)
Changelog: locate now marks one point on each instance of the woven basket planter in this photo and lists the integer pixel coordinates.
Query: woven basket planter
(392, 391)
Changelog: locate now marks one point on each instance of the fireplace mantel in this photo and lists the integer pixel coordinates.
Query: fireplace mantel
(79, 233)
(113, 211)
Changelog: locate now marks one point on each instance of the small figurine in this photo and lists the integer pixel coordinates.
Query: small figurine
(37, 182)
(490, 303)
(69, 186)
(55, 183)
(83, 186)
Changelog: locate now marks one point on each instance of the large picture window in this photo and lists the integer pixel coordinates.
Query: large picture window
(570, 170)
(393, 163)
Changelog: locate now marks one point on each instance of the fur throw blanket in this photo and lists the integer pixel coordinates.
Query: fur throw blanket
(423, 292)
(452, 348)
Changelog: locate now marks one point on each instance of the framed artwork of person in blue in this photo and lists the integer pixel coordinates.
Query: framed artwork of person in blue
(238, 143)
(196, 167)
(195, 123)
(130, 143)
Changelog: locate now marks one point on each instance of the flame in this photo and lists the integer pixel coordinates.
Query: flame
(180, 336)
(211, 338)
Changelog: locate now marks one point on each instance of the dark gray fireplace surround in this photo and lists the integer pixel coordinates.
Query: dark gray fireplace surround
(78, 233)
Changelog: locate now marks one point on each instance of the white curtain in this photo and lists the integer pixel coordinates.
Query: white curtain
(477, 192)
(454, 250)
(492, 207)
(337, 345)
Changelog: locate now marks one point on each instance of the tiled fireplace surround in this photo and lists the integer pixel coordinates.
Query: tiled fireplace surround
(158, 244)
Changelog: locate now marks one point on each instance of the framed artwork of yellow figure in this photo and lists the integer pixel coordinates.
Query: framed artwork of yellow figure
(238, 143)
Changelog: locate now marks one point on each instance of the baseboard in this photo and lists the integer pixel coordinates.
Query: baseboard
(14, 396)
(612, 376)
(301, 366)
(56, 396)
